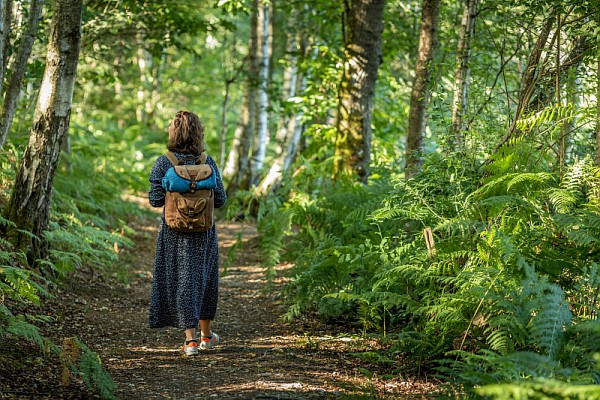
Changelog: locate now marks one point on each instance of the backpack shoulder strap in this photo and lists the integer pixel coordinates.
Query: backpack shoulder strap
(171, 157)
(202, 158)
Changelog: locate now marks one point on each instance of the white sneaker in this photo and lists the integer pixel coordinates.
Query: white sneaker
(209, 343)
(190, 347)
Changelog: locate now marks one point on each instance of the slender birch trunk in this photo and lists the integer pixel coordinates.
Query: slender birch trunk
(29, 202)
(272, 181)
(19, 66)
(290, 76)
(462, 72)
(223, 135)
(3, 40)
(143, 60)
(362, 57)
(258, 154)
(118, 87)
(572, 85)
(289, 132)
(597, 157)
(421, 87)
(229, 80)
(238, 160)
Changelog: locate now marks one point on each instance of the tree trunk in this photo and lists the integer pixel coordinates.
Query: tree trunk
(597, 158)
(568, 127)
(29, 202)
(272, 181)
(3, 41)
(421, 86)
(547, 92)
(528, 81)
(362, 59)
(119, 92)
(290, 76)
(462, 72)
(223, 136)
(7, 22)
(260, 145)
(13, 90)
(229, 80)
(238, 160)
(143, 60)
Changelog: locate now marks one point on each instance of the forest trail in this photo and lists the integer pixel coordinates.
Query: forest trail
(260, 356)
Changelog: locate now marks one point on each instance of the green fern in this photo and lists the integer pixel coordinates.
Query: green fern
(94, 375)
(540, 389)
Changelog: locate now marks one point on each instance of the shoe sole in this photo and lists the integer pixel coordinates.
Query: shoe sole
(210, 345)
(191, 352)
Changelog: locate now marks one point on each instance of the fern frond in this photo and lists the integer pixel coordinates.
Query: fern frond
(552, 316)
(94, 375)
(540, 389)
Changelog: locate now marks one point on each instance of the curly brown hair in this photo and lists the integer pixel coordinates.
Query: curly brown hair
(186, 133)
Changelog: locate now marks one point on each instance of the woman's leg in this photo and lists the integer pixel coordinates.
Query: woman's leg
(205, 327)
(190, 334)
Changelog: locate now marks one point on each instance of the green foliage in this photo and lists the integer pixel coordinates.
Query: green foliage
(273, 223)
(94, 375)
(509, 295)
(87, 229)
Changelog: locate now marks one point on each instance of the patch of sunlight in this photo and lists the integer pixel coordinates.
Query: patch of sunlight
(146, 349)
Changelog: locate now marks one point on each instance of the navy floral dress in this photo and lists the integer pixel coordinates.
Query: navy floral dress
(186, 268)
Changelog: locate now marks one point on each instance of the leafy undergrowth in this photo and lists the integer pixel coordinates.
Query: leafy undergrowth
(261, 356)
(492, 285)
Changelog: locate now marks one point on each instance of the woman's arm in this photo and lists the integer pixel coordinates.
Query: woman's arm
(220, 195)
(156, 196)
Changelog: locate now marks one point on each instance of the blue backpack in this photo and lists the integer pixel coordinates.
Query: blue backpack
(183, 178)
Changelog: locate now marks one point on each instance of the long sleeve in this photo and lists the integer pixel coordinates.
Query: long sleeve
(220, 195)
(156, 196)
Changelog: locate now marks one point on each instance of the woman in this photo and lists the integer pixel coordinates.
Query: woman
(186, 268)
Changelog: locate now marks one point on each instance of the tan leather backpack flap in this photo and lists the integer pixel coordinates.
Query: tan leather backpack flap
(190, 212)
(193, 173)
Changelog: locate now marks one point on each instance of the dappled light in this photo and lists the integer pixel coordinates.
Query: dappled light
(380, 199)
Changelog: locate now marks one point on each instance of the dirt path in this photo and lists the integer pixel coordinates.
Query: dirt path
(260, 357)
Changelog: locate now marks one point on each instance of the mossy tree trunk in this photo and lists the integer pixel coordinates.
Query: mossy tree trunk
(29, 202)
(362, 59)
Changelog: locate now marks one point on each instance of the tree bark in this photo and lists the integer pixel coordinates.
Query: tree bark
(7, 22)
(547, 92)
(568, 126)
(290, 76)
(362, 56)
(597, 157)
(3, 40)
(272, 181)
(238, 160)
(528, 81)
(29, 202)
(260, 145)
(421, 86)
(143, 60)
(13, 90)
(462, 72)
